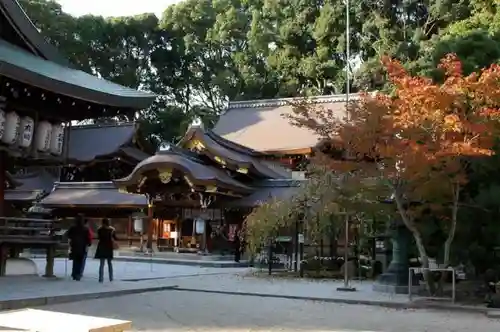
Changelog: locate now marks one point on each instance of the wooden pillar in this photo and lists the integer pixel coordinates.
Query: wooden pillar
(3, 260)
(159, 231)
(3, 178)
(149, 244)
(49, 266)
(3, 248)
(130, 231)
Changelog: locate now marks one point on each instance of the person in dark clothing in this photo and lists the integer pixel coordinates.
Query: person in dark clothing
(237, 247)
(78, 236)
(91, 237)
(106, 236)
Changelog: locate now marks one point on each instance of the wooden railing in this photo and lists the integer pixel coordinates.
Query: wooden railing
(17, 234)
(29, 231)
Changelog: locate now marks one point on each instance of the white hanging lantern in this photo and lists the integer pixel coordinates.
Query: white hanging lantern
(57, 139)
(199, 226)
(12, 124)
(43, 136)
(3, 119)
(27, 130)
(138, 225)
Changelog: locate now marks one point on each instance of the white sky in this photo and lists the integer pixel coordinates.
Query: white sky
(115, 7)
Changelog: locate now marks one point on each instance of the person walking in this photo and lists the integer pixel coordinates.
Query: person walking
(78, 236)
(91, 237)
(106, 237)
(237, 246)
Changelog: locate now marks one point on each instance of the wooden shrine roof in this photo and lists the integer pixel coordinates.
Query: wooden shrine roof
(25, 67)
(12, 12)
(91, 194)
(197, 171)
(32, 186)
(261, 125)
(87, 143)
(283, 189)
(231, 155)
(10, 181)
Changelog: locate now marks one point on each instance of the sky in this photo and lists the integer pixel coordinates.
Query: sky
(114, 7)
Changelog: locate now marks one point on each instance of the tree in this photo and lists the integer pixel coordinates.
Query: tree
(417, 140)
(320, 204)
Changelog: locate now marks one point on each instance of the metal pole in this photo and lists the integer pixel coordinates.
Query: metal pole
(296, 246)
(347, 52)
(346, 252)
(346, 287)
(453, 285)
(270, 258)
(410, 281)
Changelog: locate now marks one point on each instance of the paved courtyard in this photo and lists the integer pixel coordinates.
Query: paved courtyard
(128, 276)
(190, 311)
(136, 271)
(196, 305)
(317, 289)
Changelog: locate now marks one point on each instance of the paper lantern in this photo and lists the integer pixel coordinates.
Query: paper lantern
(27, 130)
(199, 226)
(57, 139)
(43, 136)
(12, 124)
(138, 225)
(2, 122)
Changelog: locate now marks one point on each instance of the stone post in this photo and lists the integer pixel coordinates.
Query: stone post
(395, 278)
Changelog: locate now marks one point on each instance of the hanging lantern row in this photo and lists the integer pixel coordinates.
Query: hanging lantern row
(20, 131)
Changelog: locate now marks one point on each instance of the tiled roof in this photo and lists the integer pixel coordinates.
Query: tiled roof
(262, 125)
(91, 194)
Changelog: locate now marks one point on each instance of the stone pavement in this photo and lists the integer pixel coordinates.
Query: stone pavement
(130, 278)
(177, 261)
(135, 270)
(208, 312)
(145, 277)
(324, 291)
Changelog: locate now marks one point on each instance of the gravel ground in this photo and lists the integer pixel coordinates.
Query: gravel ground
(193, 311)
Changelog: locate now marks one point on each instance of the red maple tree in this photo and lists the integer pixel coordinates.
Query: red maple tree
(417, 139)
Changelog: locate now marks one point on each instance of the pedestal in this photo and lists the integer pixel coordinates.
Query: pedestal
(49, 267)
(395, 278)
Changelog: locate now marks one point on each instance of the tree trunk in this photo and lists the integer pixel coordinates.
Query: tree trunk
(424, 258)
(451, 235)
(453, 226)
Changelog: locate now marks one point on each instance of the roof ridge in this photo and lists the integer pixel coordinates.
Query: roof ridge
(232, 145)
(256, 103)
(30, 33)
(104, 125)
(84, 185)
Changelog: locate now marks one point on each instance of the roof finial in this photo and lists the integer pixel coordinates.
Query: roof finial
(197, 122)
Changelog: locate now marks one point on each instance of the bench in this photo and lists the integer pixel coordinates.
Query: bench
(51, 321)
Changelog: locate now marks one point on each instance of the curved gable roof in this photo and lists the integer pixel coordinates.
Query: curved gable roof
(44, 67)
(89, 142)
(19, 20)
(227, 153)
